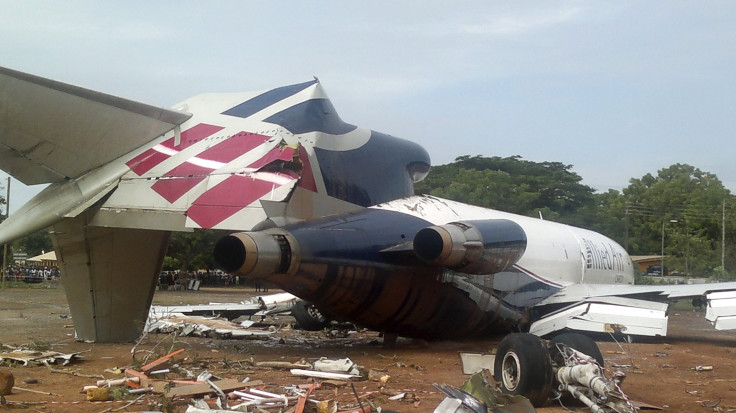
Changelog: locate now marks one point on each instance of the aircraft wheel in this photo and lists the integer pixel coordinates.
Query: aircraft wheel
(579, 342)
(523, 367)
(308, 317)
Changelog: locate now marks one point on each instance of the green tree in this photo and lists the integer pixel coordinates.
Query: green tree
(512, 184)
(681, 206)
(191, 251)
(34, 244)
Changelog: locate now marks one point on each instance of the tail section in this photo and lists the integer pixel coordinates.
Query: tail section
(124, 175)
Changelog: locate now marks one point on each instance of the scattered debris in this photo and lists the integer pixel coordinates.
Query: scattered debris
(459, 401)
(215, 319)
(200, 326)
(323, 374)
(481, 393)
(27, 357)
(476, 362)
(98, 394)
(337, 366)
(711, 404)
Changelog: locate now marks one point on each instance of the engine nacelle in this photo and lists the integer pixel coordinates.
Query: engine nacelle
(472, 247)
(257, 254)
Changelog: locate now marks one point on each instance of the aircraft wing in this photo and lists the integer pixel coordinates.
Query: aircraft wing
(631, 309)
(51, 131)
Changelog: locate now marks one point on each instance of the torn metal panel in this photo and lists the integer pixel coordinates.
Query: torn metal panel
(275, 303)
(323, 375)
(260, 305)
(202, 327)
(607, 315)
(39, 358)
(230, 311)
(476, 362)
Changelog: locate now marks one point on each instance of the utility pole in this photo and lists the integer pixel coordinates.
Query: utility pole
(5, 247)
(723, 235)
(626, 229)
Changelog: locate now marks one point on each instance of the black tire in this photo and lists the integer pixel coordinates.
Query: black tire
(308, 317)
(579, 342)
(523, 367)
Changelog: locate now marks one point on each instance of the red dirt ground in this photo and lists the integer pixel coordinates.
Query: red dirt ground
(660, 371)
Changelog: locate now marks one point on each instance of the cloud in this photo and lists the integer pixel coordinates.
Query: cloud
(515, 25)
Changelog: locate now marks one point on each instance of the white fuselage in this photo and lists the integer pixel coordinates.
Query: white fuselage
(556, 254)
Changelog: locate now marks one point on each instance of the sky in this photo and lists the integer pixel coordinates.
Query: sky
(615, 89)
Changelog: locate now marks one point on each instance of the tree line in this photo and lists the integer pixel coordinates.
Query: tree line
(689, 209)
(682, 211)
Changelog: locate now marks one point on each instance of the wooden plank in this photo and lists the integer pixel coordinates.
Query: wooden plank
(201, 389)
(160, 361)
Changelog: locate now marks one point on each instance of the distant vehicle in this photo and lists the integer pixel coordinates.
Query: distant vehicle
(656, 270)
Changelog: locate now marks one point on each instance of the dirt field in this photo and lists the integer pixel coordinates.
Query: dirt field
(661, 372)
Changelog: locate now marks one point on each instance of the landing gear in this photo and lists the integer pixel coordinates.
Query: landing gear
(577, 341)
(570, 363)
(523, 367)
(308, 317)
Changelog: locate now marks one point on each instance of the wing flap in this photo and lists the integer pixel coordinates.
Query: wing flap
(607, 315)
(52, 131)
(721, 310)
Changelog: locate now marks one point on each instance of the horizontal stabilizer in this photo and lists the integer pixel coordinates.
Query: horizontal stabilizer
(52, 131)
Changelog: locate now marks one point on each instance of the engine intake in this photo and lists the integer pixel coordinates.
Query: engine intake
(256, 254)
(472, 247)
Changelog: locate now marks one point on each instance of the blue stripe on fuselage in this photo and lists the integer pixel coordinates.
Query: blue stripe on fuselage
(314, 115)
(264, 100)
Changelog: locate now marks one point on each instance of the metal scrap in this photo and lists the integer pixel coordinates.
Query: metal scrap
(39, 358)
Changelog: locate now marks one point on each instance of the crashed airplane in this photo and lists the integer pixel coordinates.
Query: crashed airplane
(321, 208)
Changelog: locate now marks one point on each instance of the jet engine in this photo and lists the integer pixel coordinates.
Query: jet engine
(472, 247)
(257, 254)
(362, 267)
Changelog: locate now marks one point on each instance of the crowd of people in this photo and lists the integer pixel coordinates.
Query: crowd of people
(205, 277)
(31, 273)
(214, 278)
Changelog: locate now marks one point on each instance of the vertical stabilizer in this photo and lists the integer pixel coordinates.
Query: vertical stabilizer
(109, 275)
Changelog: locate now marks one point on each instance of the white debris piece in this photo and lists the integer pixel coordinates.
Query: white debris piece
(337, 366)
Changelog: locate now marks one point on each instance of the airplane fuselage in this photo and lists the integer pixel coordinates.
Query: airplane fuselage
(361, 266)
